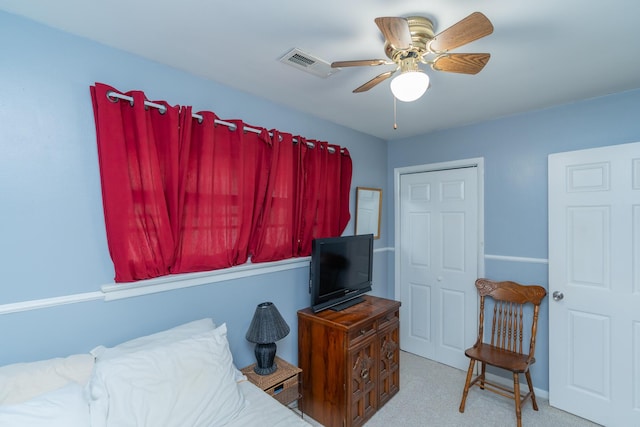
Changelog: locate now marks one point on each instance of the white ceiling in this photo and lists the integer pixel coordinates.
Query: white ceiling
(543, 52)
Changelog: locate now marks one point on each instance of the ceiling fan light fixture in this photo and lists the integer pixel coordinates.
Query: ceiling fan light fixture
(410, 85)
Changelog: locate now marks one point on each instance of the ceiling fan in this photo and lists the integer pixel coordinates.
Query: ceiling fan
(411, 41)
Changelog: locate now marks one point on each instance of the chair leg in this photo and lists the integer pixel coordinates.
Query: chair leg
(516, 396)
(483, 368)
(472, 362)
(533, 394)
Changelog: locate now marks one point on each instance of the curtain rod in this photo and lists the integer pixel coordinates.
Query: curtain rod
(230, 125)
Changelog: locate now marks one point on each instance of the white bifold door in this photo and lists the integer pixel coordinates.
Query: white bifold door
(594, 283)
(437, 262)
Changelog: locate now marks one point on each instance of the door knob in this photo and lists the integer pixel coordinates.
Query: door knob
(557, 296)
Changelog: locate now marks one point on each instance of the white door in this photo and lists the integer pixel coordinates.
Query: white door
(594, 272)
(438, 263)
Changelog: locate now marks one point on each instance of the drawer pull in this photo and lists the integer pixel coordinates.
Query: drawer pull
(389, 355)
(364, 373)
(363, 331)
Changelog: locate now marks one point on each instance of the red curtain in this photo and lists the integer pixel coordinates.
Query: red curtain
(309, 174)
(274, 236)
(328, 223)
(223, 189)
(184, 194)
(138, 156)
(308, 197)
(346, 173)
(325, 177)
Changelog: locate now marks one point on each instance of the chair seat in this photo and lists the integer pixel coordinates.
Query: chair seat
(495, 356)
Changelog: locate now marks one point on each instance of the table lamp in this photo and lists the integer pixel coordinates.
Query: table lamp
(267, 327)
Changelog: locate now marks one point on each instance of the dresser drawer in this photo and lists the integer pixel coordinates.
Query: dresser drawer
(360, 334)
(389, 319)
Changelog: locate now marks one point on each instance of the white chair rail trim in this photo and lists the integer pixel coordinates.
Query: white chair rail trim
(36, 304)
(180, 281)
(112, 291)
(517, 259)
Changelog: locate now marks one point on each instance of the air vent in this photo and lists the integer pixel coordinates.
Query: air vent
(309, 63)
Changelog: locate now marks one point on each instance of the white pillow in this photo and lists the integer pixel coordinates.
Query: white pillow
(160, 338)
(185, 383)
(64, 407)
(20, 382)
(168, 336)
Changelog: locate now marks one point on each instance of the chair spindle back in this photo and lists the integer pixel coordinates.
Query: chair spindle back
(508, 325)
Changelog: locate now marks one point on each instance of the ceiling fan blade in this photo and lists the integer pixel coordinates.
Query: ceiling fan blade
(395, 31)
(358, 63)
(374, 81)
(465, 63)
(471, 28)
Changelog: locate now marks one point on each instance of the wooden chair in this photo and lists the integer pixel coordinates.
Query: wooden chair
(505, 349)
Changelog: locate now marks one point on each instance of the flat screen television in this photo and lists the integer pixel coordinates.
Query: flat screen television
(341, 271)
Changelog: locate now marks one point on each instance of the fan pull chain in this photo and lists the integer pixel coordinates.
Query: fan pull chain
(395, 125)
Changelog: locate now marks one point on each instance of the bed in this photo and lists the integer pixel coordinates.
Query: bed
(183, 377)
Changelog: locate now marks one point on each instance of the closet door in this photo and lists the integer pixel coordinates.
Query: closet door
(438, 263)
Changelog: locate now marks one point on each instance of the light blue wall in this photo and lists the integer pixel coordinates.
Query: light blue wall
(52, 238)
(515, 151)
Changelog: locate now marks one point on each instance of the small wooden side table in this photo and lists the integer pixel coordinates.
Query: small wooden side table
(283, 385)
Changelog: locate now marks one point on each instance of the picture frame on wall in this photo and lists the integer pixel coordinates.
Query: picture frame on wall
(368, 210)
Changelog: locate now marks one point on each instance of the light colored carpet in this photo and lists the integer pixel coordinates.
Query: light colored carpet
(430, 396)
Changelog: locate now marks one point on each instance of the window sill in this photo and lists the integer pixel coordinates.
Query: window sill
(179, 281)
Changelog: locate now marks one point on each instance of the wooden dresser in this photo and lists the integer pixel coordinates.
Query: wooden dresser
(350, 360)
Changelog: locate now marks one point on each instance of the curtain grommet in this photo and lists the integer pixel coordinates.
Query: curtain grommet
(110, 96)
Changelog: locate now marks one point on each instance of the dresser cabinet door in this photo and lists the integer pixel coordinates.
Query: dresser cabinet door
(388, 363)
(362, 387)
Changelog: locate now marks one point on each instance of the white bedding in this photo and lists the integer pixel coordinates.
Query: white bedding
(63, 408)
(181, 377)
(190, 382)
(263, 410)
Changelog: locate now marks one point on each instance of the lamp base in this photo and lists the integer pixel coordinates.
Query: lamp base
(265, 371)
(265, 356)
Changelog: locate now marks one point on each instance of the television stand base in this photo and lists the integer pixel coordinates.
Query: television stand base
(347, 304)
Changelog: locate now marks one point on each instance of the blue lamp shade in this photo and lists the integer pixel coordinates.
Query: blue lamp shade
(267, 327)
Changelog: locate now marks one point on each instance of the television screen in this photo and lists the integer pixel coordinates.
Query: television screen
(341, 271)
